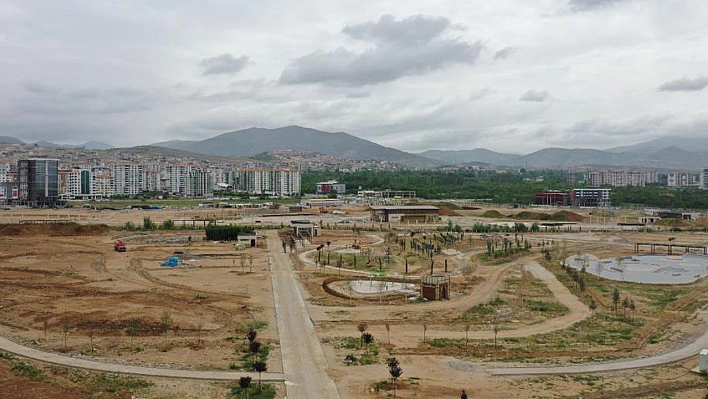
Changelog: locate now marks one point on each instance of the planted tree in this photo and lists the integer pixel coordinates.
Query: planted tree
(395, 371)
(254, 347)
(244, 383)
(260, 367)
(165, 323)
(616, 299)
(65, 326)
(362, 328)
(368, 339)
(134, 328)
(251, 335)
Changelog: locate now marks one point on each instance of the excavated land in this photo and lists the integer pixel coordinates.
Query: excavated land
(65, 290)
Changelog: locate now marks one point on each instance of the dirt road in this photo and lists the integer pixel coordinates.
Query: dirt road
(304, 361)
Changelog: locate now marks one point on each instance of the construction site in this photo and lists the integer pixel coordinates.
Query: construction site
(94, 304)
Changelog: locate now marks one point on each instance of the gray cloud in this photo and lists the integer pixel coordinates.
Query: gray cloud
(537, 96)
(224, 64)
(412, 46)
(685, 84)
(412, 30)
(503, 53)
(589, 5)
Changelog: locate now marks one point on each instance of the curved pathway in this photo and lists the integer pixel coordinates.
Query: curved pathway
(48, 357)
(578, 311)
(691, 350)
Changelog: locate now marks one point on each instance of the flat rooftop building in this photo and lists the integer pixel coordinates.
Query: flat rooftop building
(401, 213)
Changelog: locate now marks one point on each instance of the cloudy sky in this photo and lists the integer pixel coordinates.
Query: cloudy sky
(509, 75)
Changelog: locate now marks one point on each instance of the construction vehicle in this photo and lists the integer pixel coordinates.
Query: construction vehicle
(119, 246)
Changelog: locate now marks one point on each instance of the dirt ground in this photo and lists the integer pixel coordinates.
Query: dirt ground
(66, 290)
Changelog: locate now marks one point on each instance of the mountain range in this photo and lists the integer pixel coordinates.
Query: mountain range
(89, 145)
(253, 141)
(665, 153)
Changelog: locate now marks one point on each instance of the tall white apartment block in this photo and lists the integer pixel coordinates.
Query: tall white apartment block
(704, 179)
(622, 178)
(5, 169)
(127, 179)
(274, 181)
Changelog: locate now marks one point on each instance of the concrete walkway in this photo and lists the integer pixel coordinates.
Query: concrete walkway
(684, 353)
(31, 353)
(304, 361)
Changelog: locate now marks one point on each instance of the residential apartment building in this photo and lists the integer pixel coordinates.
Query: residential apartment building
(127, 178)
(682, 179)
(621, 178)
(704, 179)
(272, 181)
(5, 172)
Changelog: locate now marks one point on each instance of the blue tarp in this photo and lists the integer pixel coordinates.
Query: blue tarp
(172, 262)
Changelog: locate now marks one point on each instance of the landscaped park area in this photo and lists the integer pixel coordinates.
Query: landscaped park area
(489, 300)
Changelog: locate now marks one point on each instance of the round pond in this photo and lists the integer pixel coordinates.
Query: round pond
(647, 269)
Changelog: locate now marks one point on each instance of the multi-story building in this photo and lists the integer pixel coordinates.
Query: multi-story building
(127, 178)
(330, 187)
(80, 184)
(102, 183)
(704, 179)
(272, 181)
(682, 179)
(590, 197)
(38, 181)
(621, 178)
(5, 172)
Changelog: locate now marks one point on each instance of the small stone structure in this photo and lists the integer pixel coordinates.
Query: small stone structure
(435, 287)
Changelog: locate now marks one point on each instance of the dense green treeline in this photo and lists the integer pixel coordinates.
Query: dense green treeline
(662, 197)
(499, 187)
(506, 188)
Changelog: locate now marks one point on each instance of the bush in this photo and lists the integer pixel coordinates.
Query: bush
(227, 233)
(168, 224)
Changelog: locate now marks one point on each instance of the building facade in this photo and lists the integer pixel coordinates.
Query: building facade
(38, 182)
(591, 197)
(330, 187)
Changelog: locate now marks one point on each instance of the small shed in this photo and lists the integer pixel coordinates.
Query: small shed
(435, 287)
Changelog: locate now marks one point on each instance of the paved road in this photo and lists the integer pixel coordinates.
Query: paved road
(304, 361)
(26, 352)
(686, 352)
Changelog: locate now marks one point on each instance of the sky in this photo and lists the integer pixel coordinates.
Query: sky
(512, 76)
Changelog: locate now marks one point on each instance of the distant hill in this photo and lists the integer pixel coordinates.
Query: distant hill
(253, 141)
(10, 140)
(690, 144)
(94, 145)
(89, 145)
(149, 150)
(468, 156)
(664, 154)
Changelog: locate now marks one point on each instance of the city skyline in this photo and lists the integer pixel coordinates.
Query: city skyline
(508, 76)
